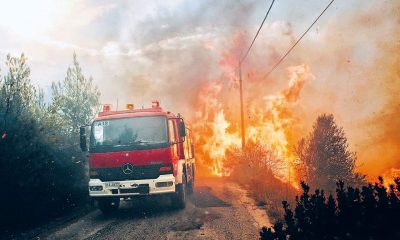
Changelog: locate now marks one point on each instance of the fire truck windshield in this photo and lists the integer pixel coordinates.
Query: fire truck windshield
(128, 134)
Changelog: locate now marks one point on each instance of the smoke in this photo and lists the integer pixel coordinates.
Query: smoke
(382, 143)
(347, 65)
(356, 63)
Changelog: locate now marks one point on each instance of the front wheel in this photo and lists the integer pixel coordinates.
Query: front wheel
(108, 206)
(179, 198)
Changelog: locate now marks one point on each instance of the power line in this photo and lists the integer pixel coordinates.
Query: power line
(240, 77)
(258, 31)
(294, 45)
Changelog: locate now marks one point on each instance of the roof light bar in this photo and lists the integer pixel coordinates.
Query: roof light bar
(130, 106)
(155, 104)
(106, 107)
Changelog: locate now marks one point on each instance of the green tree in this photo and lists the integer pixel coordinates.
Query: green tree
(23, 154)
(325, 157)
(17, 94)
(76, 98)
(40, 164)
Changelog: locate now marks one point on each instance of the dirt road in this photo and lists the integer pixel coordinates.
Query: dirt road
(217, 210)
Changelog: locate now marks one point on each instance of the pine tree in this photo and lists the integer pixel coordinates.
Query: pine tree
(42, 164)
(76, 98)
(325, 157)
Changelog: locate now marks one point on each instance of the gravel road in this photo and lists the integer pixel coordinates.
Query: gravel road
(218, 209)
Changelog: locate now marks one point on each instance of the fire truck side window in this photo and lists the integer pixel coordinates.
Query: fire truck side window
(171, 131)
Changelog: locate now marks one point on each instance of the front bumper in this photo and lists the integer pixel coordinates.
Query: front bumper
(133, 187)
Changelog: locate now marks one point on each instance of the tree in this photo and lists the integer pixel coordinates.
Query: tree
(24, 157)
(17, 93)
(38, 162)
(76, 98)
(324, 156)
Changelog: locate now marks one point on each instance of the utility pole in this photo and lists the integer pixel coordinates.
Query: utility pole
(241, 106)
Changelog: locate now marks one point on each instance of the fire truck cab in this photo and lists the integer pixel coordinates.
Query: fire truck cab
(136, 152)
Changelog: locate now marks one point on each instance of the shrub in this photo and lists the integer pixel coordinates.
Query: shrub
(369, 213)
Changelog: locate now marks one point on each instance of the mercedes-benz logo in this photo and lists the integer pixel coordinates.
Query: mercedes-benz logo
(127, 168)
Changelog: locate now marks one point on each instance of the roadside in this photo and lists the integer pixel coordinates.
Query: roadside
(52, 224)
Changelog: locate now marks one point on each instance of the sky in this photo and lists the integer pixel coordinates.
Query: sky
(138, 51)
(104, 33)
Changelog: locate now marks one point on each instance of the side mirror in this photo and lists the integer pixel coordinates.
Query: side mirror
(182, 129)
(82, 138)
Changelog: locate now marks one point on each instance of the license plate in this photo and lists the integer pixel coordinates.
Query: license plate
(112, 184)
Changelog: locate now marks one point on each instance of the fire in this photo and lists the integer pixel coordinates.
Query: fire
(271, 122)
(389, 176)
(268, 123)
(219, 142)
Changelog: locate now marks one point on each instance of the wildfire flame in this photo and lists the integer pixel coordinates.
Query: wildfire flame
(268, 124)
(361, 96)
(389, 176)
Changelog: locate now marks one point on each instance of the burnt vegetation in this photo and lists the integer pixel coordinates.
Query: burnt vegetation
(42, 170)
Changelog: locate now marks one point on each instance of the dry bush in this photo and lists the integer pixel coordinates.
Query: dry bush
(252, 169)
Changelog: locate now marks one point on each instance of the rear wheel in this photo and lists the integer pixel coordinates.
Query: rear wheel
(179, 198)
(190, 187)
(108, 206)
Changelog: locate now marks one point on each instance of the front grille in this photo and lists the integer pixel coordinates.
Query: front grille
(139, 172)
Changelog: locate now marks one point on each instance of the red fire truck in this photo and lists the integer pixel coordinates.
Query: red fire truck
(135, 152)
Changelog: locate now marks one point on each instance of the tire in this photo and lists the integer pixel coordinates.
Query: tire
(108, 206)
(190, 187)
(192, 181)
(179, 198)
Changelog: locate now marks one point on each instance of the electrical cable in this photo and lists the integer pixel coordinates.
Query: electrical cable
(294, 45)
(258, 31)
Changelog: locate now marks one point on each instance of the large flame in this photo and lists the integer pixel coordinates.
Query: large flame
(267, 123)
(362, 96)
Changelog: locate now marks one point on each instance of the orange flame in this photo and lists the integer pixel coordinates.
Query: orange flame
(219, 132)
(389, 176)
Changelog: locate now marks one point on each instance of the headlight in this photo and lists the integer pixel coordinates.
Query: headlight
(96, 188)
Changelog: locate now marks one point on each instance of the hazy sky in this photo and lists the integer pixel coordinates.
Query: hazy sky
(106, 33)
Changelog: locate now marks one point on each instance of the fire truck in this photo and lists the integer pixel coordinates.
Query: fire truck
(136, 152)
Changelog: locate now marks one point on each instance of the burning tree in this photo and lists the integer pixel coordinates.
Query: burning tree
(325, 157)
